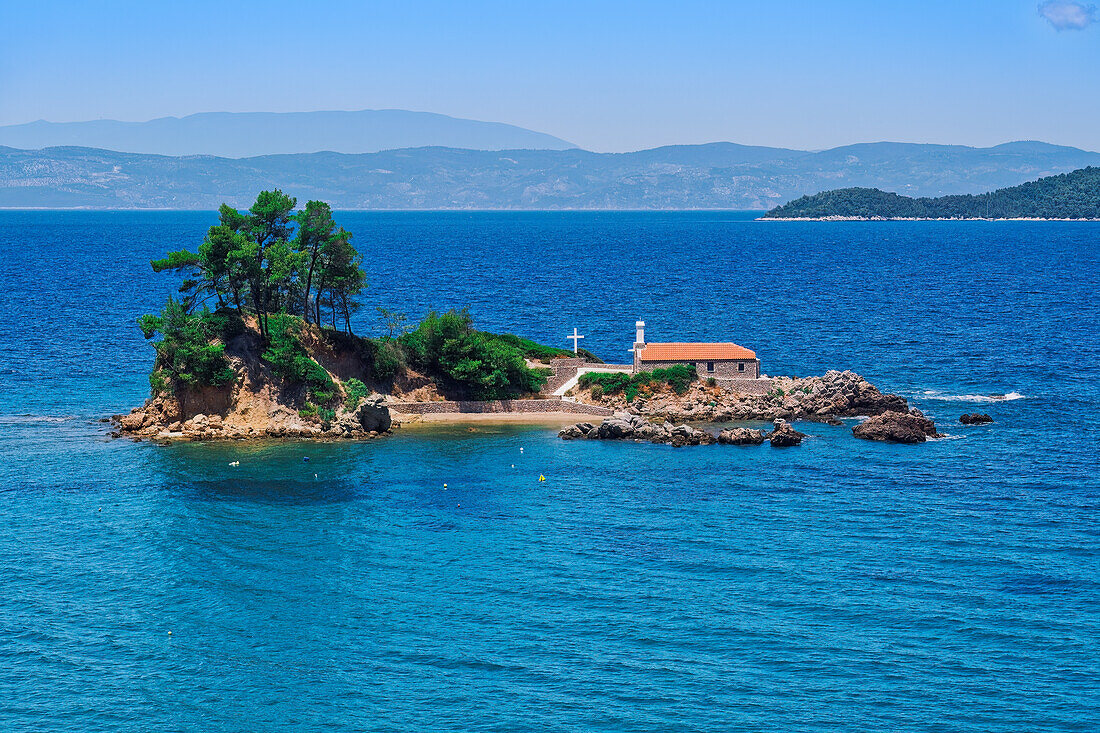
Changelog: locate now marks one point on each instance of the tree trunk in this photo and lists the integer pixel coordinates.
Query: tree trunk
(317, 301)
(309, 284)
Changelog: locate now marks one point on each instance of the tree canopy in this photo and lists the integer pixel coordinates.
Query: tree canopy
(272, 259)
(281, 269)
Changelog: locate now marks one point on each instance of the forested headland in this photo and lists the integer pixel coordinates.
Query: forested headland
(1073, 195)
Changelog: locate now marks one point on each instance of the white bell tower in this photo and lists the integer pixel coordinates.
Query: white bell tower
(639, 341)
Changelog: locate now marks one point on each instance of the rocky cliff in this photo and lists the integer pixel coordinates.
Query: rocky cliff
(258, 404)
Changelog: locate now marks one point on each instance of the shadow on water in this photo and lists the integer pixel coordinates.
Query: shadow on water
(275, 472)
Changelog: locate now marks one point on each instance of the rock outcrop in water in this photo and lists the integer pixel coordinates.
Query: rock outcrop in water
(897, 427)
(741, 436)
(836, 394)
(625, 426)
(975, 418)
(784, 436)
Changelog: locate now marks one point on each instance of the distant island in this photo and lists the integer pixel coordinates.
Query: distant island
(677, 177)
(1073, 195)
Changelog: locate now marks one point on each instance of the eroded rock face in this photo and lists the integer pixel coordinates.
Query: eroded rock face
(741, 436)
(252, 415)
(371, 414)
(784, 436)
(897, 427)
(975, 418)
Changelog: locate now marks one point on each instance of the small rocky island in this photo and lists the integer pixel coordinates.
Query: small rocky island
(259, 345)
(259, 342)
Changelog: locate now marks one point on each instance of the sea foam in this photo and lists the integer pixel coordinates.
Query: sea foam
(932, 394)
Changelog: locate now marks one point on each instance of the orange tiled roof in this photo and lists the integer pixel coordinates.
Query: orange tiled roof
(694, 352)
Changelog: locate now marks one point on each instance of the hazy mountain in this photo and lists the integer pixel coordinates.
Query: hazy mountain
(242, 135)
(719, 175)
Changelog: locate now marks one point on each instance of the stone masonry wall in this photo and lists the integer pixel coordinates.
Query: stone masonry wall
(727, 369)
(497, 406)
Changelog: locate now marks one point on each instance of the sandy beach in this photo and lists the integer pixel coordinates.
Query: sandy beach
(491, 418)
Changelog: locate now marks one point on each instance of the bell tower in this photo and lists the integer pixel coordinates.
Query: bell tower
(639, 342)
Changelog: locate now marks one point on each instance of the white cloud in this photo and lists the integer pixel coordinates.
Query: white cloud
(1068, 14)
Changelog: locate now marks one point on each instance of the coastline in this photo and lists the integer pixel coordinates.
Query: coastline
(405, 420)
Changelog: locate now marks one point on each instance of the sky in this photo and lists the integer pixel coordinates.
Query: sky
(607, 76)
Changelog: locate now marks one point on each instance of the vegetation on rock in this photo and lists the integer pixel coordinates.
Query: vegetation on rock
(678, 377)
(488, 366)
(191, 351)
(293, 279)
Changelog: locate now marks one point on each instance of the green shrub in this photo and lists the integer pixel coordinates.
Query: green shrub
(712, 382)
(597, 392)
(356, 391)
(308, 411)
(485, 365)
(189, 352)
(679, 377)
(388, 358)
(327, 416)
(159, 383)
(289, 360)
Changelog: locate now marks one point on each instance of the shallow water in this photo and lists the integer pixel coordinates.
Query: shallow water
(839, 586)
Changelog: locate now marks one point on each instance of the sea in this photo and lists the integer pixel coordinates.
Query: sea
(429, 581)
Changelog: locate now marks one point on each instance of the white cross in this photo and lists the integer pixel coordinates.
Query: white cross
(576, 339)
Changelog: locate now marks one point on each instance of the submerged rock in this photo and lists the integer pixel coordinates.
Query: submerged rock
(897, 427)
(975, 418)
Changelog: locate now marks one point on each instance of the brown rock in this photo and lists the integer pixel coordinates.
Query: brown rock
(741, 436)
(784, 436)
(897, 427)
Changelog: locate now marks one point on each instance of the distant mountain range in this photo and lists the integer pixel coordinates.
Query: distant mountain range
(714, 176)
(244, 135)
(1073, 195)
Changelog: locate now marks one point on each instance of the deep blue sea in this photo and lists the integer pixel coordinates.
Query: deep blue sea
(838, 586)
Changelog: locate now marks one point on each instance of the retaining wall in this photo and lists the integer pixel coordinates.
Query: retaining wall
(497, 406)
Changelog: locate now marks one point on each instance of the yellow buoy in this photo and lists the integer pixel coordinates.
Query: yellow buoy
(541, 477)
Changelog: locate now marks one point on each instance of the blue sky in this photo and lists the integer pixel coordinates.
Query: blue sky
(608, 76)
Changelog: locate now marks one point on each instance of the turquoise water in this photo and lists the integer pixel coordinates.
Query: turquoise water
(840, 586)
